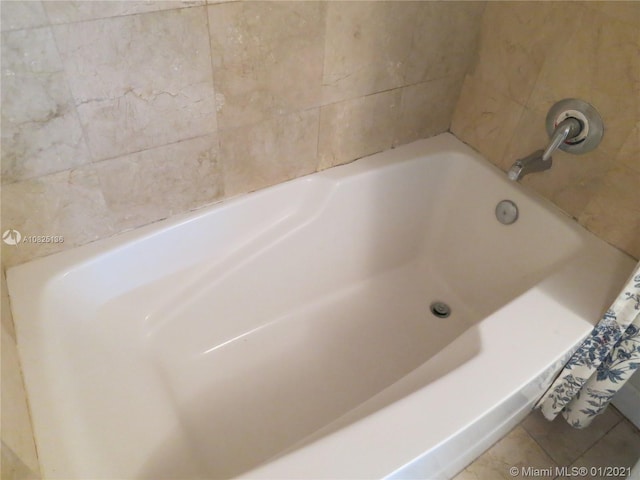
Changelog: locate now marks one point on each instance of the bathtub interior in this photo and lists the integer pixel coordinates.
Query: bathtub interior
(335, 310)
(232, 336)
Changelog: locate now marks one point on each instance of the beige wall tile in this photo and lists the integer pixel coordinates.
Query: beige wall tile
(426, 109)
(377, 46)
(267, 59)
(41, 133)
(68, 203)
(81, 10)
(367, 44)
(515, 41)
(280, 149)
(140, 81)
(147, 186)
(485, 118)
(15, 15)
(529, 135)
(7, 317)
(100, 199)
(613, 213)
(16, 422)
(626, 11)
(600, 63)
(445, 40)
(355, 128)
(572, 180)
(13, 468)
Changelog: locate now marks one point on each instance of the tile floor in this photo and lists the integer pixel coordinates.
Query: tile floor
(611, 440)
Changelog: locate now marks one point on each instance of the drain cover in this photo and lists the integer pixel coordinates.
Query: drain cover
(506, 212)
(440, 309)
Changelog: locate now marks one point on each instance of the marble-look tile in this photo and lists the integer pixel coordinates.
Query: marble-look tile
(104, 198)
(563, 443)
(517, 449)
(143, 187)
(68, 204)
(445, 40)
(485, 119)
(529, 135)
(279, 149)
(68, 11)
(624, 11)
(613, 213)
(13, 468)
(620, 447)
(267, 59)
(16, 15)
(599, 63)
(376, 46)
(426, 109)
(140, 81)
(572, 180)
(616, 82)
(516, 38)
(41, 133)
(367, 47)
(372, 47)
(355, 128)
(16, 422)
(565, 75)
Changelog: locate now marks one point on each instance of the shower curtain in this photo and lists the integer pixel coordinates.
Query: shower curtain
(602, 363)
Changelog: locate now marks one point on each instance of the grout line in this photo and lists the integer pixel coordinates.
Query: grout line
(535, 440)
(544, 451)
(71, 99)
(590, 446)
(86, 20)
(597, 442)
(325, 21)
(219, 157)
(116, 157)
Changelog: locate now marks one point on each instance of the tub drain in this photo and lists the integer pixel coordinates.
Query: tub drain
(506, 212)
(440, 309)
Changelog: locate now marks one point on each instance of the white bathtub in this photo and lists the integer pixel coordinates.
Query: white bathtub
(287, 333)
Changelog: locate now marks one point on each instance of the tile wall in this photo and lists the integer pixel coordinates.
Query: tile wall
(118, 114)
(533, 54)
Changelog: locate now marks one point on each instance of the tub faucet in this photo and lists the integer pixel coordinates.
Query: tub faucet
(541, 160)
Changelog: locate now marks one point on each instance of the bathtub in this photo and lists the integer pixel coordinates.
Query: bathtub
(288, 333)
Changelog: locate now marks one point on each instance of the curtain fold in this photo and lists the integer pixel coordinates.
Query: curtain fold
(602, 363)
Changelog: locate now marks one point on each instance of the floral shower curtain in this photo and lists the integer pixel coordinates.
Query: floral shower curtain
(601, 365)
